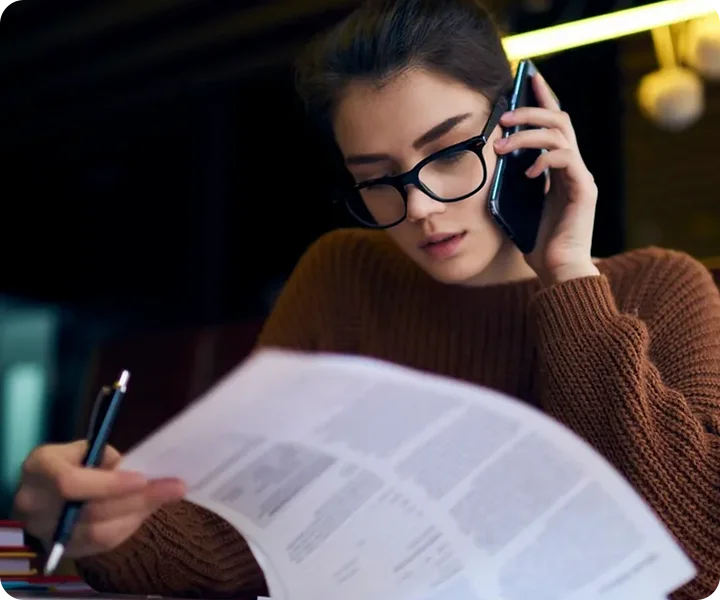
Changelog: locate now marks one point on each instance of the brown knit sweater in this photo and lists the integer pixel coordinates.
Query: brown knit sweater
(630, 360)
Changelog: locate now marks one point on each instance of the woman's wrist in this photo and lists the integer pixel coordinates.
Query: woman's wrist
(568, 273)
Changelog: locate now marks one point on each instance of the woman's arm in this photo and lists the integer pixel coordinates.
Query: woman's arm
(644, 389)
(184, 550)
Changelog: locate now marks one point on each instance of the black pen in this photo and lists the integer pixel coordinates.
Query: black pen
(97, 440)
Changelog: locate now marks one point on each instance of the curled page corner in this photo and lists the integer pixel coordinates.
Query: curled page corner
(273, 584)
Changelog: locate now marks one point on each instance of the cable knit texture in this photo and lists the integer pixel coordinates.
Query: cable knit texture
(629, 360)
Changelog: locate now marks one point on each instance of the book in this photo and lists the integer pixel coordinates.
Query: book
(54, 585)
(353, 478)
(18, 573)
(16, 560)
(11, 534)
(63, 595)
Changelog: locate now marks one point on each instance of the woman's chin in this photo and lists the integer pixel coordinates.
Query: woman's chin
(460, 270)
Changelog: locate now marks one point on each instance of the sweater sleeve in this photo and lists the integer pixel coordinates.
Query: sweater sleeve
(644, 389)
(184, 550)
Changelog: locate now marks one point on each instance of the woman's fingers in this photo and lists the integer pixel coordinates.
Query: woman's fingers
(541, 139)
(108, 523)
(60, 466)
(78, 483)
(533, 116)
(565, 159)
(72, 453)
(117, 501)
(543, 93)
(101, 536)
(153, 496)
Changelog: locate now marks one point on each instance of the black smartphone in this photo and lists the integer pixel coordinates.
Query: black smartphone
(515, 201)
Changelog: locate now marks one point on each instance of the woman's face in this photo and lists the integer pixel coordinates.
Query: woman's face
(386, 130)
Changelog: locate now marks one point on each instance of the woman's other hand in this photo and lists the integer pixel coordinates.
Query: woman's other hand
(118, 502)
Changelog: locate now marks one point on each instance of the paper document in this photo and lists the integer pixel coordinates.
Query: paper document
(351, 478)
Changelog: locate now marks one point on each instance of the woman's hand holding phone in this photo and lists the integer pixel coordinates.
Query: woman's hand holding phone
(563, 248)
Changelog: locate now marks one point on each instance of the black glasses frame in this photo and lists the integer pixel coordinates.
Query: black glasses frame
(400, 182)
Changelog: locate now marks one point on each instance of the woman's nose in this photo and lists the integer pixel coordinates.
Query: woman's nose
(421, 206)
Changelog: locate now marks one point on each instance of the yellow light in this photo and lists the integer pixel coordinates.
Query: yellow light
(604, 27)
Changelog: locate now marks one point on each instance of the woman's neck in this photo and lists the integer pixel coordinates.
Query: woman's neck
(508, 266)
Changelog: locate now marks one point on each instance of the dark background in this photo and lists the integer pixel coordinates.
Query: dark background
(158, 172)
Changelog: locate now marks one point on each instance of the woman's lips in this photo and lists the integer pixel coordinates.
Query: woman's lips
(443, 245)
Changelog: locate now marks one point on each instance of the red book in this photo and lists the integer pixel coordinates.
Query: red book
(12, 534)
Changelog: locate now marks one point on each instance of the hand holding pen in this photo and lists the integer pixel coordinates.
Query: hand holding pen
(73, 498)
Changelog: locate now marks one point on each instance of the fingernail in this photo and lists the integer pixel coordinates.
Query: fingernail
(501, 142)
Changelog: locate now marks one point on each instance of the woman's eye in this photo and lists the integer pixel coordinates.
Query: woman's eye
(451, 158)
(373, 177)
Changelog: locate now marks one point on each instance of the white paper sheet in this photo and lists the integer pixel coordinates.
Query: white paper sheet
(356, 479)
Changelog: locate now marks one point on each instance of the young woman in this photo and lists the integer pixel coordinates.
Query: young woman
(625, 351)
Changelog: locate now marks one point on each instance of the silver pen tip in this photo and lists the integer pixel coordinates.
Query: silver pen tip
(54, 559)
(123, 381)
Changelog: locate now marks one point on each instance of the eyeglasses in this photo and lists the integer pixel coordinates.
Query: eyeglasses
(448, 175)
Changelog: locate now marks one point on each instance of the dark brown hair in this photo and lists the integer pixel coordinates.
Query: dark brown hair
(383, 38)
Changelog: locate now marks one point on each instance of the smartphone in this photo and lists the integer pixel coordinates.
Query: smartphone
(515, 201)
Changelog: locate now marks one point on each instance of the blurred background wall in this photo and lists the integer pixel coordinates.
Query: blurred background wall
(159, 182)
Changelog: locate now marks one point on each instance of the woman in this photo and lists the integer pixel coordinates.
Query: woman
(624, 351)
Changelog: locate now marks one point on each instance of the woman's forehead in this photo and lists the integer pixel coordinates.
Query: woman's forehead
(399, 111)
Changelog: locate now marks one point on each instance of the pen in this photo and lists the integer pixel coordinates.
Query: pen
(97, 440)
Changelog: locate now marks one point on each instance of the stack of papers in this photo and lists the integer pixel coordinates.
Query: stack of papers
(351, 478)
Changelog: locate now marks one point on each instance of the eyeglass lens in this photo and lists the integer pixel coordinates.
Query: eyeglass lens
(447, 178)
